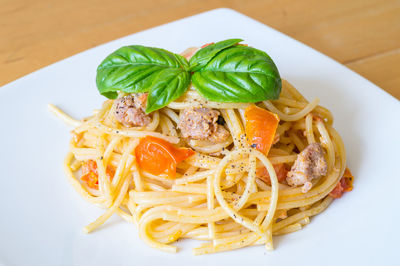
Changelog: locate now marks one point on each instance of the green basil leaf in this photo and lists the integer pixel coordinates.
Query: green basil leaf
(132, 69)
(169, 85)
(110, 94)
(238, 74)
(204, 55)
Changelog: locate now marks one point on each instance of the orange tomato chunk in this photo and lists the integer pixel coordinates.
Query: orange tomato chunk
(90, 175)
(261, 126)
(159, 157)
(280, 170)
(345, 185)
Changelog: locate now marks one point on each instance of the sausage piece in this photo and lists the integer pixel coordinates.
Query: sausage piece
(310, 164)
(130, 110)
(201, 124)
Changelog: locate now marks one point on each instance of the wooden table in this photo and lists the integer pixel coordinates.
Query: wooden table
(364, 35)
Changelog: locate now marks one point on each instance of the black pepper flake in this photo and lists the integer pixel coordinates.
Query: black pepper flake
(253, 145)
(117, 131)
(101, 157)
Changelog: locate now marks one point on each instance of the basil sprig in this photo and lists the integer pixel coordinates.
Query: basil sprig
(222, 72)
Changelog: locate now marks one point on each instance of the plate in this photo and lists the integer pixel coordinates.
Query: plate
(42, 216)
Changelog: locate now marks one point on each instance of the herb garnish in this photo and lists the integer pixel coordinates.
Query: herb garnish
(224, 72)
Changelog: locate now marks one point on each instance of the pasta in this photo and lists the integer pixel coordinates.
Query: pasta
(183, 166)
(212, 198)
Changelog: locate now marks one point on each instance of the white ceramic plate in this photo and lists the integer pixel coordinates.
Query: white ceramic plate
(42, 216)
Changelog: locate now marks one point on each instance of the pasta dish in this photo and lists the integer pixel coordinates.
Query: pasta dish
(210, 145)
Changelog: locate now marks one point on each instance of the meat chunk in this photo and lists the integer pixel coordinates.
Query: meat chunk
(198, 123)
(220, 135)
(130, 110)
(310, 164)
(201, 124)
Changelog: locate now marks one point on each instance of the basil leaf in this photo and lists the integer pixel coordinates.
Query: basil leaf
(169, 85)
(238, 74)
(110, 94)
(204, 55)
(132, 69)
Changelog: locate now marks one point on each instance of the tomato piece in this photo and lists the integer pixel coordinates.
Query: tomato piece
(159, 157)
(207, 44)
(91, 180)
(280, 170)
(261, 126)
(90, 174)
(345, 185)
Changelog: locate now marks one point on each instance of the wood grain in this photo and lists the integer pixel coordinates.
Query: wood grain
(362, 34)
(382, 69)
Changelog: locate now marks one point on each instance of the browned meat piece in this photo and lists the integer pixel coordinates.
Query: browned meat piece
(201, 124)
(220, 135)
(198, 123)
(130, 110)
(310, 164)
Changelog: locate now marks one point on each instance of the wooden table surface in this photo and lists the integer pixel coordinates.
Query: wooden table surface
(364, 35)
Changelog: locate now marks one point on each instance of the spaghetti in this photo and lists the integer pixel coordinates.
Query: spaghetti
(216, 194)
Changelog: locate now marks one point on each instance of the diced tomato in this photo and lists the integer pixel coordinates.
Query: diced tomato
(280, 170)
(158, 156)
(90, 174)
(207, 44)
(261, 126)
(345, 185)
